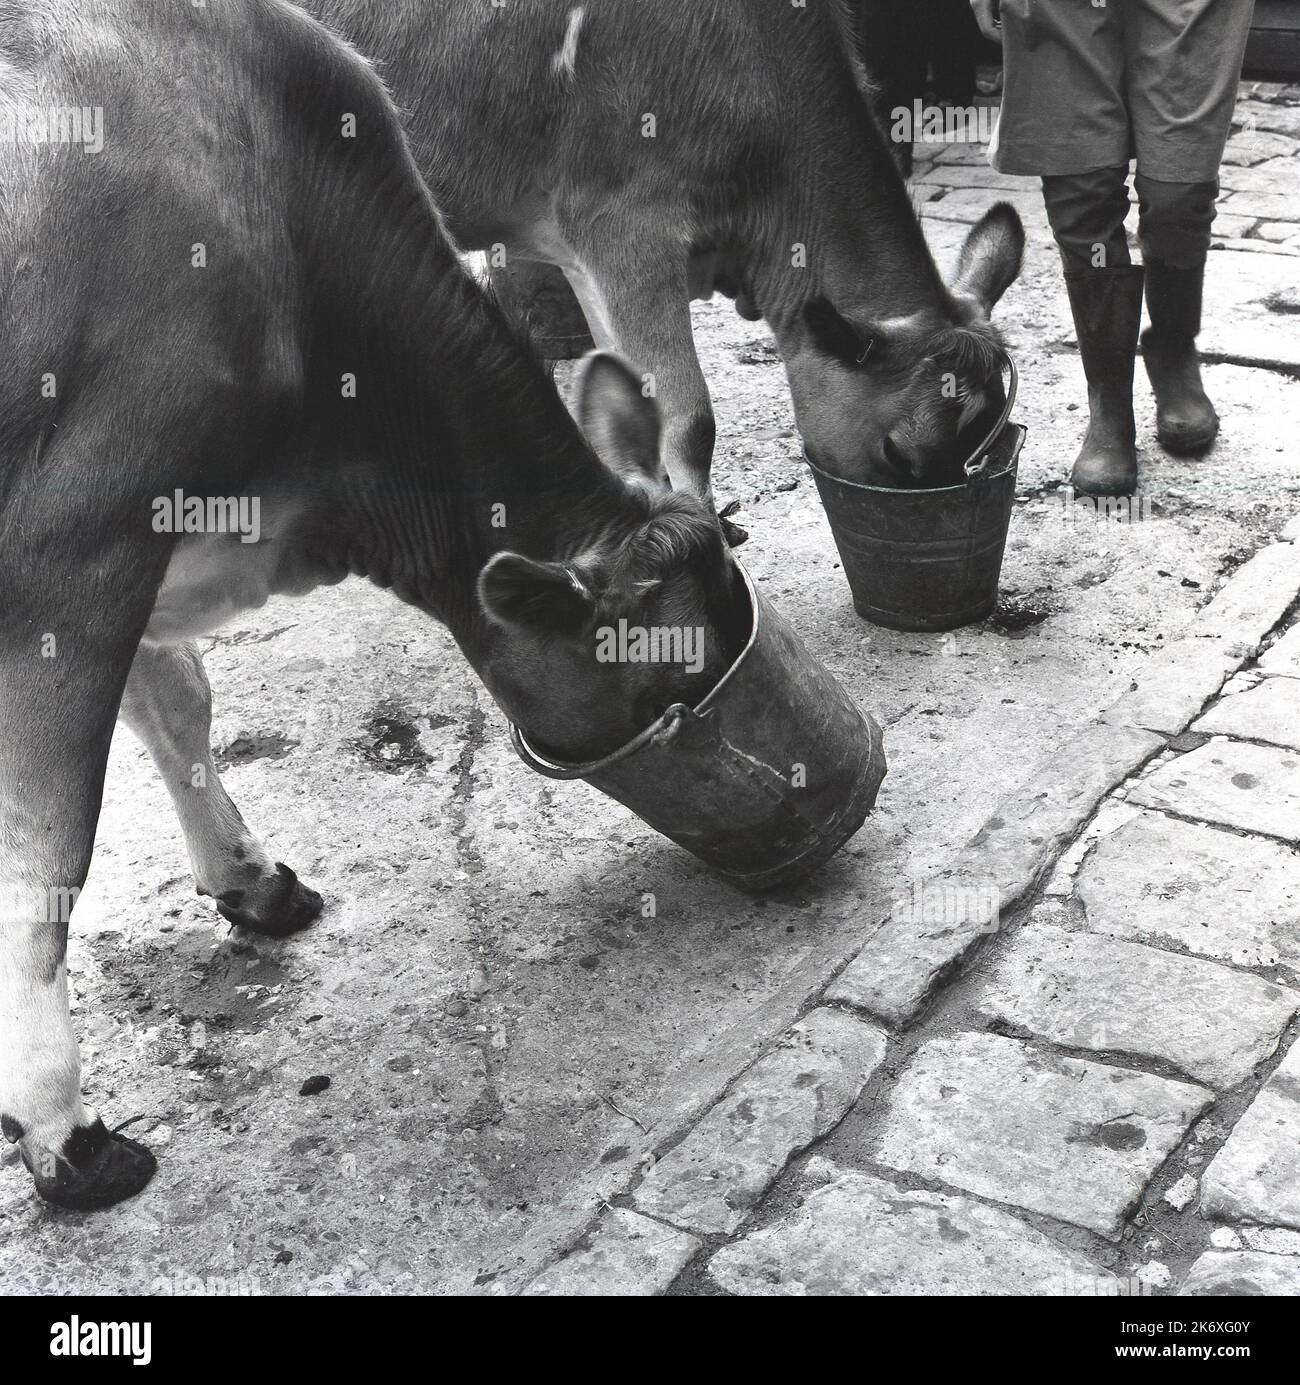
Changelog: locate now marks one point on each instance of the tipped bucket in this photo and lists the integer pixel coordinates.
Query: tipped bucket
(928, 559)
(765, 779)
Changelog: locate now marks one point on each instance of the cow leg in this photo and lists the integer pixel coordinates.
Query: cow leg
(56, 722)
(645, 303)
(588, 296)
(168, 704)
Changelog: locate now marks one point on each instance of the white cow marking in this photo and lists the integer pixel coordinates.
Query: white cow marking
(565, 62)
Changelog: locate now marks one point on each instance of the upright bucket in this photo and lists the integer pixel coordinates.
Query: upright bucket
(928, 559)
(765, 779)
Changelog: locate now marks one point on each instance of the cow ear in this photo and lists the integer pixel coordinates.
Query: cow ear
(620, 422)
(546, 598)
(991, 257)
(835, 336)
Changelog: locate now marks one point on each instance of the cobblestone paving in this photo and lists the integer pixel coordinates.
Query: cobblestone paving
(1112, 1068)
(1085, 1085)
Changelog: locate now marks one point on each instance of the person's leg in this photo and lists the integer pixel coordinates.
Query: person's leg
(1086, 212)
(1182, 68)
(1174, 233)
(1062, 91)
(1063, 118)
(1183, 65)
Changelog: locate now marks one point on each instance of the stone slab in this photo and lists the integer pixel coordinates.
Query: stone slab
(1069, 1138)
(1173, 685)
(862, 1236)
(1229, 227)
(625, 1255)
(1283, 658)
(711, 1181)
(1170, 883)
(1252, 117)
(970, 204)
(1086, 991)
(1276, 175)
(969, 175)
(1252, 147)
(1252, 601)
(1276, 206)
(1274, 251)
(1239, 323)
(1254, 788)
(1269, 712)
(908, 957)
(977, 154)
(1273, 1240)
(1256, 1175)
(1242, 1274)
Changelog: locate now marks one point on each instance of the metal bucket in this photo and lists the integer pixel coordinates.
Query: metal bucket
(928, 559)
(765, 779)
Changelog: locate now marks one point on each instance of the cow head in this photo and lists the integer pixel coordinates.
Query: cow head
(902, 402)
(572, 659)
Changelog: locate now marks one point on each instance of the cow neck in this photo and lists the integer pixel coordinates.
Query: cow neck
(469, 451)
(848, 204)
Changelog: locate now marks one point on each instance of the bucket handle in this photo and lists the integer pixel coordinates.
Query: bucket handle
(979, 459)
(663, 731)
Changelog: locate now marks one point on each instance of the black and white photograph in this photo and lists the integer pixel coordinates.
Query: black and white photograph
(649, 649)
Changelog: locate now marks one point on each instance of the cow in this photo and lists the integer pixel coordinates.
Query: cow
(657, 151)
(228, 298)
(911, 47)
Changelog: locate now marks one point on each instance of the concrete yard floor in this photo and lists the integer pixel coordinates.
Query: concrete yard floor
(494, 1010)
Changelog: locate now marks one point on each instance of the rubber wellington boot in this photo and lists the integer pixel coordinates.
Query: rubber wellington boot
(1185, 418)
(1107, 308)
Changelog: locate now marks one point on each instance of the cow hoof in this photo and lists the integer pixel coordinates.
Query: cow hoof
(118, 1170)
(293, 908)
